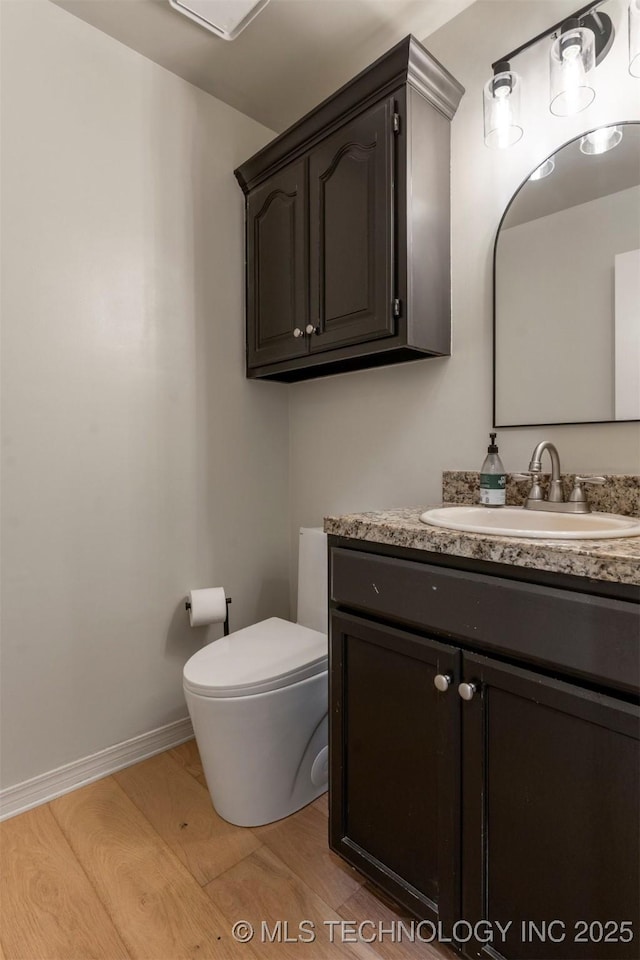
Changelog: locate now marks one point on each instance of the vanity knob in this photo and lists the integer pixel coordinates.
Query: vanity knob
(311, 329)
(467, 690)
(297, 332)
(442, 681)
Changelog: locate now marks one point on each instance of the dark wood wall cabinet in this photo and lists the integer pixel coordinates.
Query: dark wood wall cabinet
(485, 753)
(347, 226)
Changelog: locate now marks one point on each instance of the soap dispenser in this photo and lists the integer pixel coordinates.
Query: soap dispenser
(493, 479)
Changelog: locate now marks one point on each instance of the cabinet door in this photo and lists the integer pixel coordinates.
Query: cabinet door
(277, 287)
(351, 238)
(394, 772)
(550, 816)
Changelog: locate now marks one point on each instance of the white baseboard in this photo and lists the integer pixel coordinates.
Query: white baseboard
(31, 793)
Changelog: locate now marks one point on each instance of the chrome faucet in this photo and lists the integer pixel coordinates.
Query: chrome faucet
(554, 502)
(535, 468)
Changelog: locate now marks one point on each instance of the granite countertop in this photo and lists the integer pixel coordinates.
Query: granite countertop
(616, 561)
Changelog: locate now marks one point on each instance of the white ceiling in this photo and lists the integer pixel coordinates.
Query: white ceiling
(293, 55)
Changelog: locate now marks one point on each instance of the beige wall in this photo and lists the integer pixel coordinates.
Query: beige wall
(137, 461)
(382, 438)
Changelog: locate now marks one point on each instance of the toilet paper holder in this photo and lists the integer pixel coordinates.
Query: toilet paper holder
(225, 625)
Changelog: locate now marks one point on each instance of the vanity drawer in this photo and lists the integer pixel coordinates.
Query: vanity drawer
(578, 634)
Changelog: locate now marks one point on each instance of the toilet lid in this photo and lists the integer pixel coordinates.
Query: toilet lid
(265, 656)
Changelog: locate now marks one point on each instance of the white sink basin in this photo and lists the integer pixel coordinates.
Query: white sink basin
(518, 522)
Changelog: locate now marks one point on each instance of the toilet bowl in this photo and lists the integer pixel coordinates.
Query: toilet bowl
(258, 703)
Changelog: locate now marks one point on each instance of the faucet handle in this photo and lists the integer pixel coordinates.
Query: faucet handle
(577, 495)
(535, 491)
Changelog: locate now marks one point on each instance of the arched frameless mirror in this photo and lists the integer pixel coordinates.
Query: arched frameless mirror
(567, 287)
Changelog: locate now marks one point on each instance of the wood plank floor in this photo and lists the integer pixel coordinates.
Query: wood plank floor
(139, 865)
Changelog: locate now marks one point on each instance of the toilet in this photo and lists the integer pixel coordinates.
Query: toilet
(258, 703)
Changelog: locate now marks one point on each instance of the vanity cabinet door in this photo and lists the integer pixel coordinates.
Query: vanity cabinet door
(395, 760)
(351, 238)
(550, 816)
(277, 282)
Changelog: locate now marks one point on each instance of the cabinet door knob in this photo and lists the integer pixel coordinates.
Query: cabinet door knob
(297, 332)
(467, 690)
(442, 682)
(311, 329)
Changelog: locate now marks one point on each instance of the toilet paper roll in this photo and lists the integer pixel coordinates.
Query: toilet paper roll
(207, 606)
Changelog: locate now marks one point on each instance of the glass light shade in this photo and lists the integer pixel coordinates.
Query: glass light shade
(543, 170)
(634, 38)
(501, 102)
(600, 141)
(573, 57)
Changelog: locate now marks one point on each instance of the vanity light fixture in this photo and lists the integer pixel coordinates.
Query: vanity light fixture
(601, 141)
(501, 104)
(580, 42)
(225, 18)
(572, 60)
(634, 38)
(544, 170)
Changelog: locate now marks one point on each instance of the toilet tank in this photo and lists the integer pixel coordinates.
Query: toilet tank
(312, 579)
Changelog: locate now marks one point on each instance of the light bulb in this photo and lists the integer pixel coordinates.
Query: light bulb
(571, 49)
(572, 58)
(501, 102)
(573, 74)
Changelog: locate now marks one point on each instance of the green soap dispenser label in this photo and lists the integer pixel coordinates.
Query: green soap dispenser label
(493, 489)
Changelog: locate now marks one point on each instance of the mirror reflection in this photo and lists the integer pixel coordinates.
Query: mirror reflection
(567, 287)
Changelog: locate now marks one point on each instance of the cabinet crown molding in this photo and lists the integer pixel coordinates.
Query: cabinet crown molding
(406, 63)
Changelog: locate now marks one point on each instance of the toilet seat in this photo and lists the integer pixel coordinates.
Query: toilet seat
(265, 656)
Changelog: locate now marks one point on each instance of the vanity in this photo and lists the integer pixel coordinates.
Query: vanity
(484, 731)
